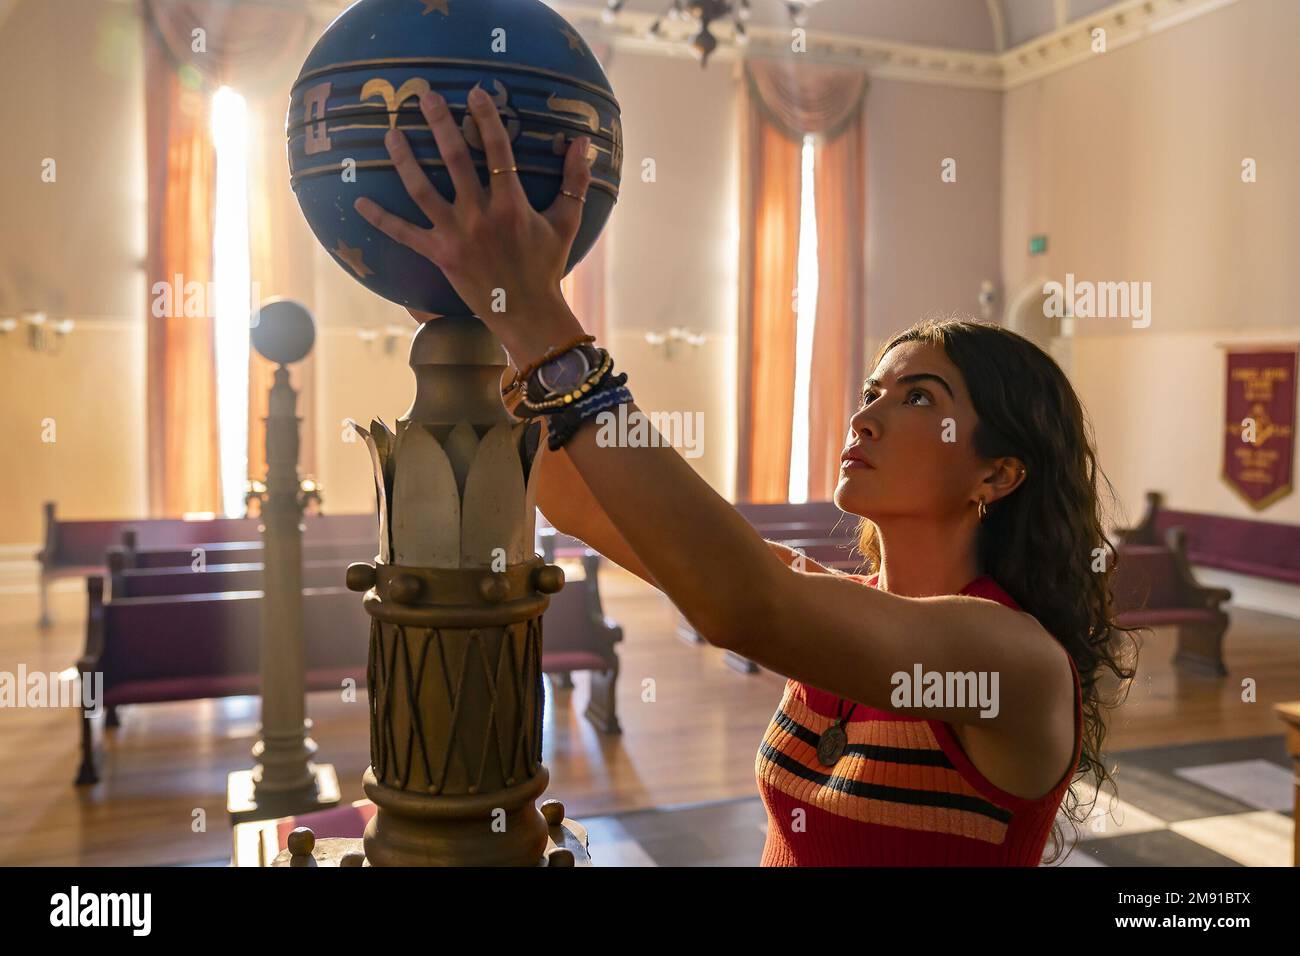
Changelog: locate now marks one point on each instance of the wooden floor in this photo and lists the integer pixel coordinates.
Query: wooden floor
(691, 729)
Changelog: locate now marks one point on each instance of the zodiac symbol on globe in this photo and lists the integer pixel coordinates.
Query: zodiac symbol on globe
(313, 103)
(586, 113)
(469, 126)
(616, 155)
(393, 99)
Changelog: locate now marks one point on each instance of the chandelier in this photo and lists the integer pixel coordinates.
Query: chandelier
(705, 13)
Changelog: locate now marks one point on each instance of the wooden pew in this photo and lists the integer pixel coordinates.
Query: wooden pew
(126, 556)
(157, 582)
(175, 634)
(196, 646)
(1262, 549)
(1153, 586)
(77, 548)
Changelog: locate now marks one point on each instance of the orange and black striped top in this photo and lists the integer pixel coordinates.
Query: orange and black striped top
(903, 793)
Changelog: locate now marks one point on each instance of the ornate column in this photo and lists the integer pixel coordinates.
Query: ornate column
(456, 596)
(285, 780)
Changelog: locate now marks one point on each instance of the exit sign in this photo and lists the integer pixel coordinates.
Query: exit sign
(1037, 245)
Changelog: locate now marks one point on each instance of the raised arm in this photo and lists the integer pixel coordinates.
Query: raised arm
(567, 502)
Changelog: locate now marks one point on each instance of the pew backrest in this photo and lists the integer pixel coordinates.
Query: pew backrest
(150, 582)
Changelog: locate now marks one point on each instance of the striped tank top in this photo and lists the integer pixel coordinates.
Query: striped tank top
(903, 793)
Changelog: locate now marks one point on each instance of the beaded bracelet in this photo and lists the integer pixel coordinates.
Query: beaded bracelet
(562, 426)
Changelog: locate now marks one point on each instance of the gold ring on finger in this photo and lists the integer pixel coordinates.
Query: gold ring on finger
(506, 169)
(582, 199)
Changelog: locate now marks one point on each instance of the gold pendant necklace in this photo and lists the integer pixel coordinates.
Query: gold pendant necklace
(834, 739)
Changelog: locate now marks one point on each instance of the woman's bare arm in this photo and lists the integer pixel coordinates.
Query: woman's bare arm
(567, 502)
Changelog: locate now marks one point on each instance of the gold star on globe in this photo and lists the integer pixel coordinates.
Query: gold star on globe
(431, 5)
(575, 41)
(353, 258)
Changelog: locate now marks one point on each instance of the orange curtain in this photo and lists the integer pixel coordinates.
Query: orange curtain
(782, 102)
(770, 183)
(184, 468)
(193, 48)
(840, 185)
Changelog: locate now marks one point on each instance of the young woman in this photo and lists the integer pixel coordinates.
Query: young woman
(969, 464)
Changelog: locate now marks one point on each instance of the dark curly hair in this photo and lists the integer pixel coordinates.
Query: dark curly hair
(1042, 542)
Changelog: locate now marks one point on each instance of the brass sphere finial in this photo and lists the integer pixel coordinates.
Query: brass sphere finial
(549, 578)
(553, 811)
(360, 576)
(301, 841)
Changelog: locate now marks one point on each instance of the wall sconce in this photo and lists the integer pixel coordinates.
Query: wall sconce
(255, 490)
(42, 335)
(672, 336)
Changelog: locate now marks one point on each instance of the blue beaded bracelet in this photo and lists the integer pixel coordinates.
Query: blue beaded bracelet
(562, 426)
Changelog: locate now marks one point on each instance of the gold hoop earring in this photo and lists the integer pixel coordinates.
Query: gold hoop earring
(983, 511)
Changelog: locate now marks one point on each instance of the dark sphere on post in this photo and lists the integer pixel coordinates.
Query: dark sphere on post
(283, 331)
(365, 76)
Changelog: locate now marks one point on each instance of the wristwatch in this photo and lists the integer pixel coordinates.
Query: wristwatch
(562, 374)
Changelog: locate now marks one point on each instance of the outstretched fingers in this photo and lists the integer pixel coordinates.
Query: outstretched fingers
(565, 213)
(416, 181)
(452, 148)
(496, 147)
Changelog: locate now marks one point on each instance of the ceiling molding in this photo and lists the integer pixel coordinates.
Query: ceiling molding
(1124, 23)
(883, 58)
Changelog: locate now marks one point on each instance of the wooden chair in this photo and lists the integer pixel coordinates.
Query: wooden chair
(576, 634)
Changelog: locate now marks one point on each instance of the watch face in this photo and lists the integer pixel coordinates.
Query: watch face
(564, 372)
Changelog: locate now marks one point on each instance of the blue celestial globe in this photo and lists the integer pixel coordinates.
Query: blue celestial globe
(365, 75)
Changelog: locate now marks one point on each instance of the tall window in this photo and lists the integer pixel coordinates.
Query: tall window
(807, 303)
(230, 283)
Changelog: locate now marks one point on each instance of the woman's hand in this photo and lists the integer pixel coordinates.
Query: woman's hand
(503, 258)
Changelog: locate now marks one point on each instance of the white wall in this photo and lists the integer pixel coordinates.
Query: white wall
(930, 243)
(74, 248)
(1131, 164)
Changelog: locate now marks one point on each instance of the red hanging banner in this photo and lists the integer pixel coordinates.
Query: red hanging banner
(1259, 439)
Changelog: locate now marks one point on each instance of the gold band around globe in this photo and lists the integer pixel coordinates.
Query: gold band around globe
(413, 62)
(596, 181)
